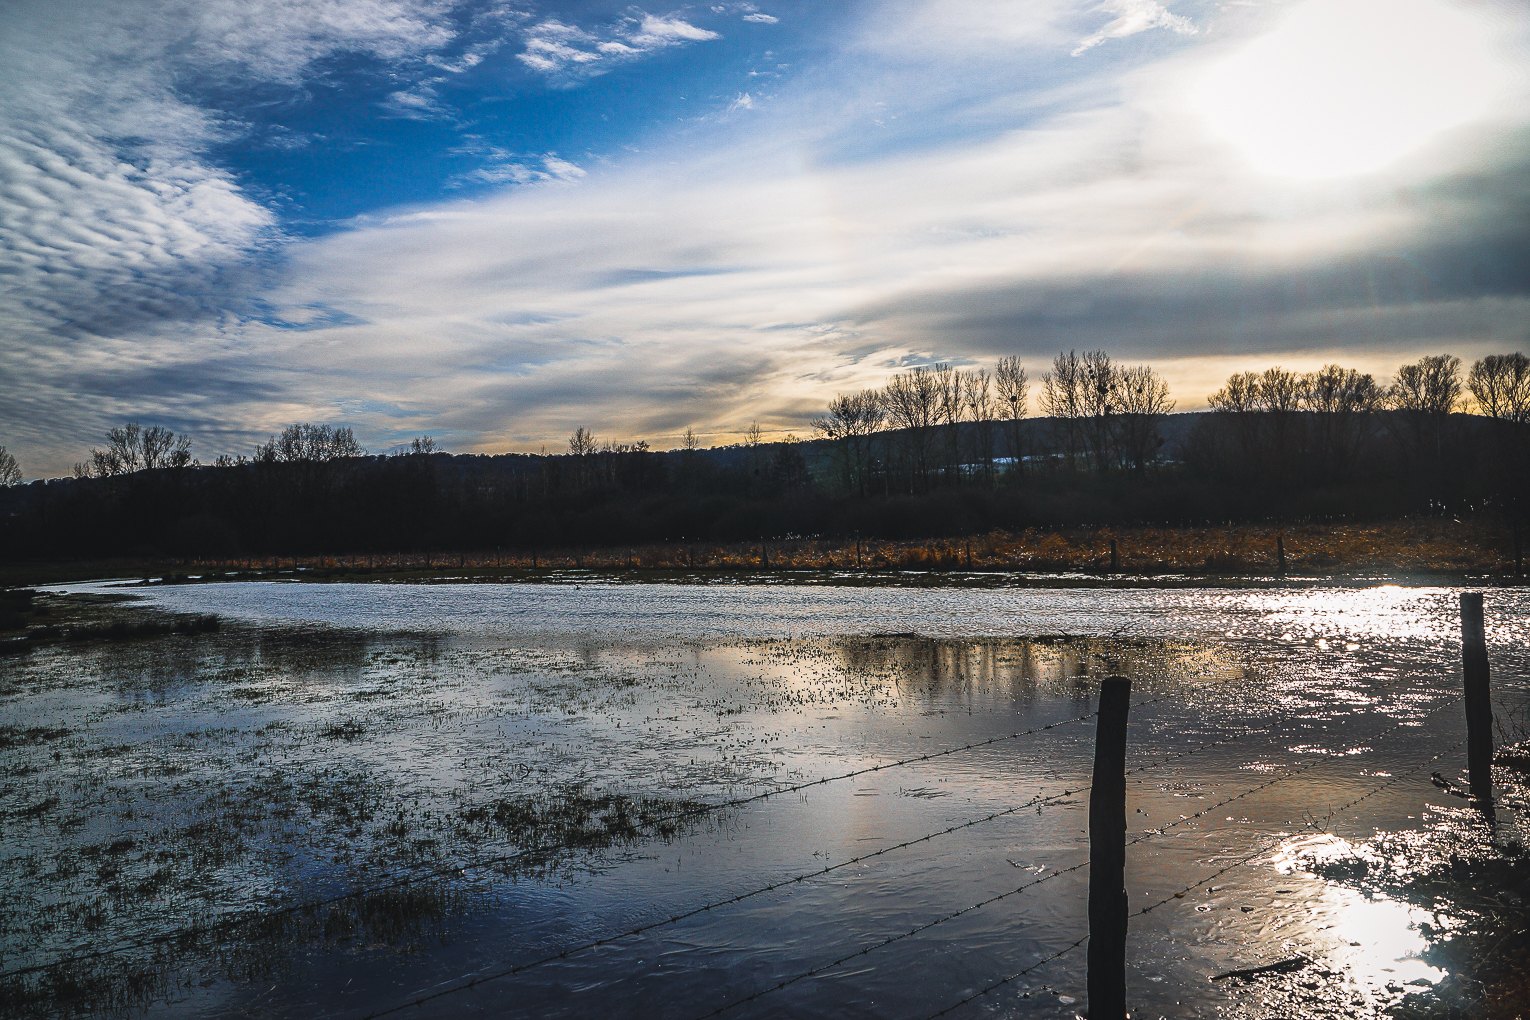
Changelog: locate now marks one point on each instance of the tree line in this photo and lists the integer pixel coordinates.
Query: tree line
(936, 451)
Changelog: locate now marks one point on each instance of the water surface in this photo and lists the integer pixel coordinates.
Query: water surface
(335, 736)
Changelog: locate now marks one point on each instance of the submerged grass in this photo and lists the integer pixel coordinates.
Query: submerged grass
(163, 832)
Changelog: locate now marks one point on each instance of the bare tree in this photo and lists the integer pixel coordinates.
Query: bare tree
(1014, 391)
(161, 448)
(581, 443)
(10, 471)
(690, 443)
(950, 409)
(305, 443)
(121, 456)
(1101, 399)
(912, 400)
(1423, 396)
(982, 411)
(1143, 401)
(851, 420)
(1343, 401)
(131, 447)
(1258, 411)
(1239, 406)
(581, 446)
(1500, 384)
(1062, 400)
(1500, 387)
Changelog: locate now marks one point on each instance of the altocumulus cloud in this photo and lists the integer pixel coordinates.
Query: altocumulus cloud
(889, 206)
(115, 224)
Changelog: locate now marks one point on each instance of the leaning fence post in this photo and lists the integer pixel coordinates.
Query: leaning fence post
(1479, 707)
(1107, 855)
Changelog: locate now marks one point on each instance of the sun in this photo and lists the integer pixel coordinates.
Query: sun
(1348, 86)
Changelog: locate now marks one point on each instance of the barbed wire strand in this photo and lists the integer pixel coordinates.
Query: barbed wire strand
(888, 941)
(1275, 841)
(673, 919)
(1012, 977)
(1271, 844)
(1288, 774)
(718, 904)
(426, 873)
(965, 910)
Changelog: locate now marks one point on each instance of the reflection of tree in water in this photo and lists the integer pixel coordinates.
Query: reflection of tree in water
(1022, 668)
(161, 668)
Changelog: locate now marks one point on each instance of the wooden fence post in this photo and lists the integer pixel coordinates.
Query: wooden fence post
(1107, 855)
(1115, 559)
(1479, 706)
(764, 556)
(1280, 553)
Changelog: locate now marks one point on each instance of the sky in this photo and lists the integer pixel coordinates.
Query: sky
(495, 222)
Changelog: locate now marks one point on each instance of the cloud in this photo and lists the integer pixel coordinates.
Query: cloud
(418, 103)
(638, 302)
(655, 31)
(555, 47)
(1135, 16)
(749, 12)
(116, 222)
(502, 166)
(747, 272)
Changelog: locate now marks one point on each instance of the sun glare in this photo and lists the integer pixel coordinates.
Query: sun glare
(1348, 86)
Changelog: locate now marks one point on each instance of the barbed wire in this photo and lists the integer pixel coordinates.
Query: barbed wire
(1245, 859)
(1278, 839)
(425, 873)
(1385, 786)
(890, 940)
(1012, 977)
(1037, 801)
(1288, 774)
(718, 904)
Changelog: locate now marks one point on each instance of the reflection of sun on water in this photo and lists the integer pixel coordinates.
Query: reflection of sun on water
(1385, 612)
(1377, 939)
(1348, 86)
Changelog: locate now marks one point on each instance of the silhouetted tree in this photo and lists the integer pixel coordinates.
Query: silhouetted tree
(1062, 400)
(305, 443)
(1014, 390)
(1500, 384)
(1422, 398)
(10, 471)
(851, 421)
(912, 403)
(1143, 401)
(1342, 401)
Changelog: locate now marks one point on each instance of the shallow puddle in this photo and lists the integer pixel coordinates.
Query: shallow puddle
(354, 798)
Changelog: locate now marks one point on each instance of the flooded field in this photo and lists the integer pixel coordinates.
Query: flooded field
(590, 799)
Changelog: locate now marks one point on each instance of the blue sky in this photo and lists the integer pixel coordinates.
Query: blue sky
(496, 222)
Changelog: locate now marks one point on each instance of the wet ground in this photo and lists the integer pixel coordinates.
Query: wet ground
(352, 799)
